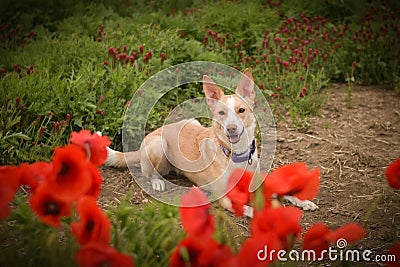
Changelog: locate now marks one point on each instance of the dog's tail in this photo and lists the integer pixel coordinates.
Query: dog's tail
(120, 159)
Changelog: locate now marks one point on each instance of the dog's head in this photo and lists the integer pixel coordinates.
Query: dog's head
(233, 115)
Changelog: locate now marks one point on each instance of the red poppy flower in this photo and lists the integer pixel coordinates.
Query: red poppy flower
(70, 176)
(256, 251)
(284, 222)
(215, 254)
(319, 236)
(191, 252)
(194, 210)
(294, 179)
(94, 145)
(393, 174)
(35, 174)
(352, 232)
(10, 177)
(49, 208)
(186, 253)
(94, 225)
(394, 251)
(238, 189)
(97, 181)
(98, 254)
(315, 239)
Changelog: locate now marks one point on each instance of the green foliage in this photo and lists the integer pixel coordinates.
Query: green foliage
(58, 76)
(335, 10)
(149, 232)
(70, 77)
(74, 82)
(26, 241)
(371, 40)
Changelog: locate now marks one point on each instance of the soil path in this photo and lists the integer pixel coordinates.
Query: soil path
(351, 146)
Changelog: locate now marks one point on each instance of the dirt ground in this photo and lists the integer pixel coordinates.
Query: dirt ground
(352, 146)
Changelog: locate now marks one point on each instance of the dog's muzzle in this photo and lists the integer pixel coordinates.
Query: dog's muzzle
(233, 135)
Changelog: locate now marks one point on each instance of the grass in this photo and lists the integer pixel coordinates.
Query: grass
(62, 64)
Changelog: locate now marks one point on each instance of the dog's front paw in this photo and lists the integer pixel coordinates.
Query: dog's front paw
(308, 205)
(158, 184)
(304, 204)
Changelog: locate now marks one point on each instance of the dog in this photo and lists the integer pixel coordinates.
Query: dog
(205, 155)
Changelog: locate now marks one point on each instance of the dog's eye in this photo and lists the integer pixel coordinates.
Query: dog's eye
(241, 110)
(221, 112)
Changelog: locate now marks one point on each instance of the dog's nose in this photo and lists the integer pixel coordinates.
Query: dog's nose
(231, 128)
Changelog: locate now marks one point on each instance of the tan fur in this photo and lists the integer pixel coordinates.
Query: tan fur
(194, 150)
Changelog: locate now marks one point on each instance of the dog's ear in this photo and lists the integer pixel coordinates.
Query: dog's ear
(245, 87)
(212, 91)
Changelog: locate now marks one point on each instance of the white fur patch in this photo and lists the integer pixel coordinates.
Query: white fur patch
(194, 122)
(232, 118)
(111, 157)
(158, 184)
(230, 102)
(248, 211)
(304, 204)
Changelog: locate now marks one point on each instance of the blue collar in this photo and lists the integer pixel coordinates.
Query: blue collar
(242, 157)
